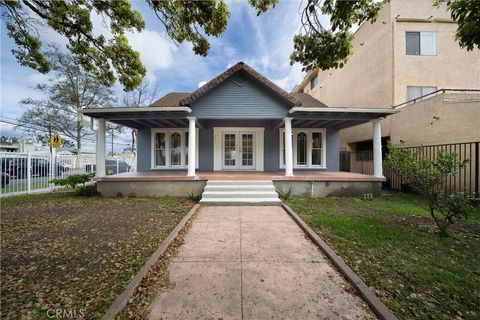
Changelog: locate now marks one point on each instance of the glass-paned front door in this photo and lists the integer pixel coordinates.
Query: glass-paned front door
(230, 150)
(239, 150)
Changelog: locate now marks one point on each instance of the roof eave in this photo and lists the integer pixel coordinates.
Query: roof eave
(380, 111)
(92, 111)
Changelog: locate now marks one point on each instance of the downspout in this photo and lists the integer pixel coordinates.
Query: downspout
(393, 56)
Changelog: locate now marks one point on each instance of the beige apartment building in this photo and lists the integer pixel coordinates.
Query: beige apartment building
(409, 52)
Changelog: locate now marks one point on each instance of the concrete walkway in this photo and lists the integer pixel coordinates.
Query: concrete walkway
(254, 263)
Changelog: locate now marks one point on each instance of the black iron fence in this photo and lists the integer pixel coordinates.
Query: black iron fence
(466, 180)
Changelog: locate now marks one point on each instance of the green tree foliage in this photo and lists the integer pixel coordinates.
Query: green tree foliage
(107, 59)
(184, 20)
(428, 178)
(72, 90)
(112, 58)
(317, 47)
(467, 15)
(8, 140)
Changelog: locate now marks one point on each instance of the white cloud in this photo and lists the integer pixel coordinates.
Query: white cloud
(202, 83)
(293, 77)
(155, 50)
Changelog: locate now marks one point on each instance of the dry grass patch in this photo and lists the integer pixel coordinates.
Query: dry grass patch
(77, 254)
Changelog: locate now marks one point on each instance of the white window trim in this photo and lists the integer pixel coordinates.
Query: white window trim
(308, 131)
(218, 142)
(168, 132)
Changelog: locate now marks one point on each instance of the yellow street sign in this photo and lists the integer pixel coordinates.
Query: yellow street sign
(56, 141)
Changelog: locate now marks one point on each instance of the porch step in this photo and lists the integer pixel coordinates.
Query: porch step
(232, 187)
(240, 192)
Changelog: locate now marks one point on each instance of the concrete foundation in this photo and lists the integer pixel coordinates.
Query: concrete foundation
(196, 187)
(329, 188)
(150, 188)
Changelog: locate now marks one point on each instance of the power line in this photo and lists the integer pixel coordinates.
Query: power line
(32, 127)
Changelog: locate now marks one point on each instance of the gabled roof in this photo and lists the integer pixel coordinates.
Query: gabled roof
(240, 66)
(171, 99)
(308, 101)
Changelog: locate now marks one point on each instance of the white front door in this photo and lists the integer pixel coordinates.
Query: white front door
(238, 150)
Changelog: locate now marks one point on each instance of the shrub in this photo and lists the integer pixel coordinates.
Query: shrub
(86, 191)
(428, 177)
(192, 197)
(286, 194)
(74, 181)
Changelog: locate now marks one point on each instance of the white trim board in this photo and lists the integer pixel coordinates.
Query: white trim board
(217, 145)
(308, 131)
(168, 132)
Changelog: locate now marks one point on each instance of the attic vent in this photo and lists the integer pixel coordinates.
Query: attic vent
(239, 80)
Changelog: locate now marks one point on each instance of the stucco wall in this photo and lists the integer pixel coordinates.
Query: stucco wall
(379, 71)
(445, 118)
(366, 79)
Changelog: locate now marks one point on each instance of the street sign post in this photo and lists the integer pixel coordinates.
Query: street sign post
(56, 141)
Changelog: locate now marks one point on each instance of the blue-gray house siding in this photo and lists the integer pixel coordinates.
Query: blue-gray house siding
(271, 145)
(240, 98)
(239, 102)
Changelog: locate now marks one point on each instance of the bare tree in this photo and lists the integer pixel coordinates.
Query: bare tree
(72, 90)
(144, 95)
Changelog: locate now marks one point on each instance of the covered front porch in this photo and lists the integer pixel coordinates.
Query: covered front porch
(299, 175)
(174, 141)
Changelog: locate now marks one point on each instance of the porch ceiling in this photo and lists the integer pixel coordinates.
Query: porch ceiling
(339, 118)
(166, 117)
(137, 118)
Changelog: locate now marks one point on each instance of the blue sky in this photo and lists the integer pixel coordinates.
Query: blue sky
(264, 42)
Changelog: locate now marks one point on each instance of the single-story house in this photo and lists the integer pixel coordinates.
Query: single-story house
(240, 125)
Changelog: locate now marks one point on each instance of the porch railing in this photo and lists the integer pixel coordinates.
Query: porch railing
(466, 180)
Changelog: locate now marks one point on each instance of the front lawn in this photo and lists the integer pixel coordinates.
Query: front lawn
(61, 252)
(393, 246)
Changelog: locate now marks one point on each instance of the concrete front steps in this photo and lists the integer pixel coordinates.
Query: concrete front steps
(240, 192)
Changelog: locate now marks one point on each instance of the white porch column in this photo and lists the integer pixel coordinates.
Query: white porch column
(100, 145)
(377, 149)
(288, 147)
(191, 146)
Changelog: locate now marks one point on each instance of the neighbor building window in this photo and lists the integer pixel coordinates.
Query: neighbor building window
(415, 92)
(170, 148)
(313, 82)
(308, 148)
(421, 43)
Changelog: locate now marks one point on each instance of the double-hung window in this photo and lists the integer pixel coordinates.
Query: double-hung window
(415, 92)
(170, 148)
(309, 149)
(421, 43)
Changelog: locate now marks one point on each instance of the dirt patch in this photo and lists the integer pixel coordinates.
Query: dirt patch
(156, 280)
(428, 224)
(77, 254)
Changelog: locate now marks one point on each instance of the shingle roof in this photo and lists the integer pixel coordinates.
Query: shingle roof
(308, 101)
(215, 82)
(177, 99)
(171, 99)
